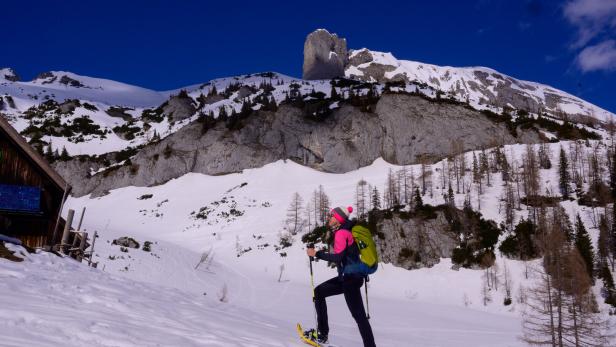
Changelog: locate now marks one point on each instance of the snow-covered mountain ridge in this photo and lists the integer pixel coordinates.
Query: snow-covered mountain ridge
(131, 116)
(107, 122)
(476, 85)
(61, 85)
(480, 87)
(324, 55)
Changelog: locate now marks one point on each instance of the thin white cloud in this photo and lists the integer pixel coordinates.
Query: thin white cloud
(595, 21)
(601, 56)
(549, 58)
(523, 26)
(591, 17)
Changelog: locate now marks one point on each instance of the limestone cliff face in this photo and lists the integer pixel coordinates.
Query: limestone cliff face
(325, 55)
(402, 129)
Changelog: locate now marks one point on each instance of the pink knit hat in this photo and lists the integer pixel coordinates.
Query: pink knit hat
(342, 214)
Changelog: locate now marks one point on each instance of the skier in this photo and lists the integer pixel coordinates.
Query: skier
(345, 253)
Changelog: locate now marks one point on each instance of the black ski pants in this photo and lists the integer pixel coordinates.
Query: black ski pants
(349, 286)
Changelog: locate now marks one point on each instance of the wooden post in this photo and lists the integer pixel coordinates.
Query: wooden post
(92, 248)
(82, 246)
(55, 229)
(83, 212)
(71, 251)
(67, 228)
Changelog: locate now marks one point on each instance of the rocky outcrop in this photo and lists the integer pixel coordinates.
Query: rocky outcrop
(68, 107)
(67, 81)
(402, 129)
(325, 55)
(45, 78)
(119, 112)
(179, 107)
(9, 75)
(414, 242)
(421, 236)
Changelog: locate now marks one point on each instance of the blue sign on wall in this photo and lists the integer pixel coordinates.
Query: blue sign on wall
(20, 198)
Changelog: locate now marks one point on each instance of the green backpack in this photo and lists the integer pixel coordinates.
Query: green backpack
(368, 257)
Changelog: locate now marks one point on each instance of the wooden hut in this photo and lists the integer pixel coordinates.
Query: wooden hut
(32, 194)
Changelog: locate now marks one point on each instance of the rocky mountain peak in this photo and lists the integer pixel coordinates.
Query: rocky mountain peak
(58, 77)
(325, 55)
(9, 74)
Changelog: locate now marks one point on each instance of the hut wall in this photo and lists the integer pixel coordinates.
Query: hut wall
(17, 168)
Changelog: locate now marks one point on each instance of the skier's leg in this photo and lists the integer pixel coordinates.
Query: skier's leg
(322, 291)
(352, 295)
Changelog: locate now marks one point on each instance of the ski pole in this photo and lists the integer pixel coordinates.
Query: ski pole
(367, 303)
(316, 321)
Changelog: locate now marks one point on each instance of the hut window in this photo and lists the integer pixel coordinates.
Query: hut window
(14, 198)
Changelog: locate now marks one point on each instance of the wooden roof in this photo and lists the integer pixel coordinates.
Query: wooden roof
(38, 160)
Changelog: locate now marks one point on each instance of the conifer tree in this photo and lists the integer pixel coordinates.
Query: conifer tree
(64, 155)
(584, 246)
(375, 199)
(450, 196)
(475, 168)
(505, 168)
(49, 153)
(613, 174)
(603, 269)
(603, 242)
(484, 165)
(544, 156)
(334, 94)
(222, 113)
(417, 200)
(213, 91)
(563, 174)
(612, 238)
(246, 108)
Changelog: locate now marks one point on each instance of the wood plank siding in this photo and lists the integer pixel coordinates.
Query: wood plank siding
(20, 165)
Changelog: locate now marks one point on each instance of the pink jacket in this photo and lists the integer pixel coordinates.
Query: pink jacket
(342, 239)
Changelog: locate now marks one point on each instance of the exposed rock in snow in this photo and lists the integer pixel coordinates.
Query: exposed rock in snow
(9, 75)
(179, 107)
(325, 55)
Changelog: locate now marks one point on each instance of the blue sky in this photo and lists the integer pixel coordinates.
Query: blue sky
(168, 44)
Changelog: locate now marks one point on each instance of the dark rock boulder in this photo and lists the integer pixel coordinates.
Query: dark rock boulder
(126, 241)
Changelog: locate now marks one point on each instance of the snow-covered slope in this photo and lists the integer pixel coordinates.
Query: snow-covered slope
(55, 301)
(477, 85)
(153, 297)
(238, 218)
(61, 85)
